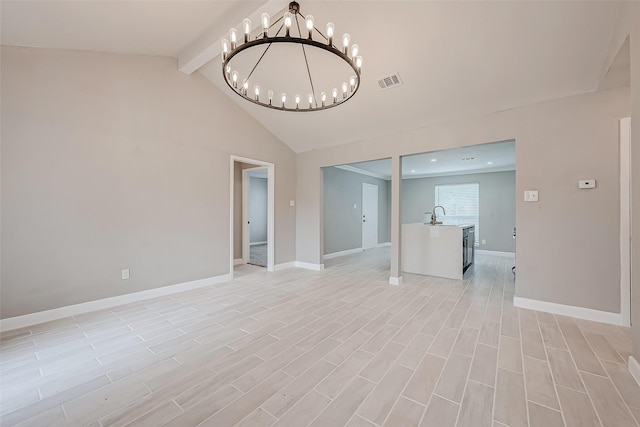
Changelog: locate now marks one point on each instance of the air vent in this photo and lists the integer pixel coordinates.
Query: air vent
(390, 81)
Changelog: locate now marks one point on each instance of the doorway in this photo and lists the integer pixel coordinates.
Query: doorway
(369, 216)
(254, 216)
(240, 232)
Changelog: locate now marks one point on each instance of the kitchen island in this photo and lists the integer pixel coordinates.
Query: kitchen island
(437, 250)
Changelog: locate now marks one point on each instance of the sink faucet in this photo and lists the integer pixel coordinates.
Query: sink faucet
(434, 218)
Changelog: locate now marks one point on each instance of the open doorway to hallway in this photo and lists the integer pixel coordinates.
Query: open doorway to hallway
(356, 208)
(254, 216)
(252, 213)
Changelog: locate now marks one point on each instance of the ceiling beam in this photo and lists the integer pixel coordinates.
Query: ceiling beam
(208, 46)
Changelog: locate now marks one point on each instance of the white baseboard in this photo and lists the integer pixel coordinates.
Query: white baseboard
(238, 261)
(343, 253)
(395, 280)
(101, 304)
(634, 368)
(380, 245)
(569, 310)
(309, 266)
(284, 266)
(257, 243)
(497, 253)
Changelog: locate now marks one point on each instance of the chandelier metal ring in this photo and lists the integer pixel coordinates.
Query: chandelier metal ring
(314, 103)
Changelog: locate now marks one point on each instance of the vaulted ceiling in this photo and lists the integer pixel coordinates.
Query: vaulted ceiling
(456, 59)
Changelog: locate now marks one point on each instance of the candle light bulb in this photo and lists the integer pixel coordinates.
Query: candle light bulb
(297, 101)
(233, 36)
(346, 38)
(245, 86)
(352, 82)
(270, 96)
(310, 100)
(344, 89)
(354, 50)
(334, 92)
(323, 97)
(246, 27)
(309, 21)
(234, 79)
(359, 63)
(284, 98)
(228, 71)
(256, 90)
(225, 47)
(265, 18)
(330, 29)
(288, 19)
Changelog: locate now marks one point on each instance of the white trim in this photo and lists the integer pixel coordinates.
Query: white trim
(284, 266)
(381, 245)
(246, 228)
(569, 310)
(495, 253)
(101, 304)
(625, 220)
(257, 243)
(309, 266)
(395, 280)
(456, 173)
(342, 253)
(238, 261)
(634, 369)
(354, 169)
(270, 207)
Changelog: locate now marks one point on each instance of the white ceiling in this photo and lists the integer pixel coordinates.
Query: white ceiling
(147, 27)
(457, 59)
(494, 157)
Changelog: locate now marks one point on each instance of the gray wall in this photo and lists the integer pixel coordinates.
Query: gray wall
(342, 223)
(497, 204)
(116, 161)
(568, 243)
(258, 209)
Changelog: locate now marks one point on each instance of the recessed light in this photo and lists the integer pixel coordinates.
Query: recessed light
(434, 160)
(489, 163)
(413, 171)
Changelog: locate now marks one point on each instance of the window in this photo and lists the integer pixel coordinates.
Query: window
(461, 201)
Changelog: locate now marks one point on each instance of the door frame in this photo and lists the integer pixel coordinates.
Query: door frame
(625, 221)
(270, 207)
(246, 212)
(377, 219)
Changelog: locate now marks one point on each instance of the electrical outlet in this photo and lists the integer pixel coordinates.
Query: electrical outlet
(125, 274)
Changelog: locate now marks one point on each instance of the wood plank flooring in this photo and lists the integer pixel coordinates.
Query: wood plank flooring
(334, 348)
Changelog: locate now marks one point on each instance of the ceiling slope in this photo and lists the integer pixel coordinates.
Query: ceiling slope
(456, 59)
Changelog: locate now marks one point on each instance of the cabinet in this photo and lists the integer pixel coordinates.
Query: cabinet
(468, 246)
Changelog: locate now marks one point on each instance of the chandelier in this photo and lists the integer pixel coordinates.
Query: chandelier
(327, 76)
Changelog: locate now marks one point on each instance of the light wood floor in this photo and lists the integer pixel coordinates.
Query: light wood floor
(332, 348)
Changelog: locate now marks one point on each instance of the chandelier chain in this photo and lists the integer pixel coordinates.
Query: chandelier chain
(306, 61)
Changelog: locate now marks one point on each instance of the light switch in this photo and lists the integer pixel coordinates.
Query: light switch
(531, 196)
(292, 203)
(587, 183)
